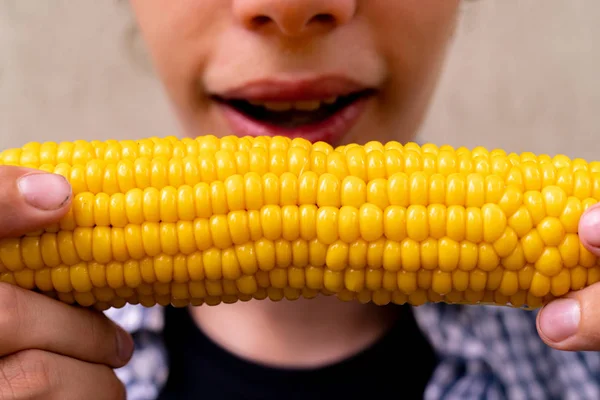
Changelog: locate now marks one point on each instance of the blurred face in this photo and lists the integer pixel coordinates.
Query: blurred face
(339, 71)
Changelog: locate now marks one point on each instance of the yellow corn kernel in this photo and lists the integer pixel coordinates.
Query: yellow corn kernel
(214, 220)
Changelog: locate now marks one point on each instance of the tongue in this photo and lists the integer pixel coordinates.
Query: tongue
(291, 118)
(294, 118)
(287, 119)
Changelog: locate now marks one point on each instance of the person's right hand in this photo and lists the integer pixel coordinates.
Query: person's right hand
(48, 349)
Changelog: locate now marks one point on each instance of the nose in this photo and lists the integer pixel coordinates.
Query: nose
(294, 17)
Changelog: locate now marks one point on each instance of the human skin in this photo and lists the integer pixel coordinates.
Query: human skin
(56, 351)
(210, 47)
(52, 350)
(49, 349)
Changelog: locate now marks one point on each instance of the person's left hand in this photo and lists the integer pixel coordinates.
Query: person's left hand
(573, 322)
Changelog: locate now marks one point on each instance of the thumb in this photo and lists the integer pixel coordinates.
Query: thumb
(31, 199)
(589, 229)
(573, 322)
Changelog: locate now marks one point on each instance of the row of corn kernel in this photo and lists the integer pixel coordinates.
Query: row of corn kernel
(215, 268)
(427, 158)
(319, 244)
(252, 192)
(35, 154)
(88, 299)
(113, 150)
(103, 298)
(189, 205)
(98, 176)
(209, 167)
(255, 194)
(315, 279)
(558, 161)
(400, 194)
(278, 150)
(323, 237)
(381, 297)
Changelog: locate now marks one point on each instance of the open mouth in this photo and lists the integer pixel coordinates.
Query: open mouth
(324, 109)
(293, 114)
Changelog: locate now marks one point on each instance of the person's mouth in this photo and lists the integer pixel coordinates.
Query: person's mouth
(316, 110)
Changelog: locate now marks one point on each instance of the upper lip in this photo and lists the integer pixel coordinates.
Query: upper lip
(294, 90)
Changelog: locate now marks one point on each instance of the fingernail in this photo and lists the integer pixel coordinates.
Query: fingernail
(45, 191)
(125, 345)
(560, 319)
(590, 224)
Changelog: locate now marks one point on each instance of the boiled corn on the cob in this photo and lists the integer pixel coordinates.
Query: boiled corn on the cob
(211, 220)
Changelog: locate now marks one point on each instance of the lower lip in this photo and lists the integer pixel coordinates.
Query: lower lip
(331, 130)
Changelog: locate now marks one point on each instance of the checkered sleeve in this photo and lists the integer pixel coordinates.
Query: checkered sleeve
(489, 352)
(147, 371)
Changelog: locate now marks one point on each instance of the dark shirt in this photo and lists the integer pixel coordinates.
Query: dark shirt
(398, 366)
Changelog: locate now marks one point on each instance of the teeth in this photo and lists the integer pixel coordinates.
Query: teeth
(278, 106)
(308, 105)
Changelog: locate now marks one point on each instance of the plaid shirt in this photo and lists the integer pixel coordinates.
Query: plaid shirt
(485, 352)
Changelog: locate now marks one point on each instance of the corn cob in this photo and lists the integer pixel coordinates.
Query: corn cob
(218, 220)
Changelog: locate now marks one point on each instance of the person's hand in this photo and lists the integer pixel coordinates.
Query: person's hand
(48, 349)
(573, 322)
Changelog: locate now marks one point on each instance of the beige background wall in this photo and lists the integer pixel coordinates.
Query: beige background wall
(523, 75)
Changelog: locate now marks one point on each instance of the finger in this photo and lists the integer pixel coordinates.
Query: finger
(573, 322)
(32, 320)
(31, 199)
(589, 229)
(36, 374)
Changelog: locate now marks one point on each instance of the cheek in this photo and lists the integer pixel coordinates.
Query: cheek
(177, 34)
(411, 31)
(413, 38)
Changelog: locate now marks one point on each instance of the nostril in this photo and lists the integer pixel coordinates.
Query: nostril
(323, 18)
(260, 20)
